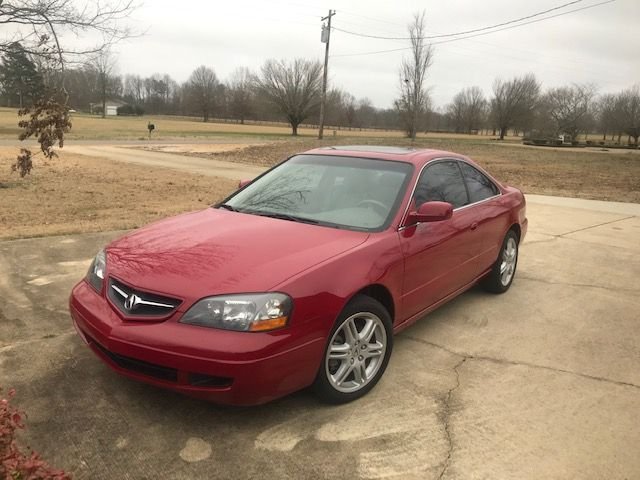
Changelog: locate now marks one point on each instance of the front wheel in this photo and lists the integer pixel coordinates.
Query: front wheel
(357, 353)
(501, 276)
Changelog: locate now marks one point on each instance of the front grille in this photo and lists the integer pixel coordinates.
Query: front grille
(202, 380)
(138, 366)
(158, 371)
(137, 303)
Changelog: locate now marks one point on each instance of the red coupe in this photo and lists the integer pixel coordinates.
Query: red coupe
(302, 276)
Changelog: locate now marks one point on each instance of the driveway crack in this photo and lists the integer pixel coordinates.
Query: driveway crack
(504, 361)
(447, 417)
(579, 285)
(598, 225)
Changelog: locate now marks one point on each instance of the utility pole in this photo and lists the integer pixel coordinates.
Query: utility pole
(324, 38)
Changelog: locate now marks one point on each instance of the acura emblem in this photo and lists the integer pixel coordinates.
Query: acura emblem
(132, 302)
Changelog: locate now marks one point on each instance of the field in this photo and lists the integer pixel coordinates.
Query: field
(74, 194)
(77, 193)
(91, 127)
(583, 173)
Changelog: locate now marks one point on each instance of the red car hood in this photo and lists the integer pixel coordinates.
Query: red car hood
(214, 251)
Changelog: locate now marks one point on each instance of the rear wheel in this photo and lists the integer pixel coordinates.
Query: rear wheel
(357, 353)
(501, 276)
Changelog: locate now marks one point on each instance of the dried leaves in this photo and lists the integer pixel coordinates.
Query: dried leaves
(48, 121)
(16, 464)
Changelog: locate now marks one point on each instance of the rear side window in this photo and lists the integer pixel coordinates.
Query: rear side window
(441, 182)
(478, 184)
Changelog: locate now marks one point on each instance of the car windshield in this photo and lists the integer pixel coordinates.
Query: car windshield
(346, 192)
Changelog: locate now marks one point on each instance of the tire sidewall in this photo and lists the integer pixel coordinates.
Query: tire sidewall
(510, 234)
(359, 304)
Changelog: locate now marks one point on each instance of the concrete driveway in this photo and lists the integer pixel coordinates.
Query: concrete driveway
(542, 382)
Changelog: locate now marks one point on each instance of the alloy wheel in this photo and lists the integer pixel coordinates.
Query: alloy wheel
(509, 258)
(356, 352)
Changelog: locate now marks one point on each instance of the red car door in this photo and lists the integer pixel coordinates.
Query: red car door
(490, 213)
(440, 257)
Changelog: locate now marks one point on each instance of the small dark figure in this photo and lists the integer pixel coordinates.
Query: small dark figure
(151, 128)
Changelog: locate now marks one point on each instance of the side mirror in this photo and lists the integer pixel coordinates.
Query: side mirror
(242, 183)
(430, 212)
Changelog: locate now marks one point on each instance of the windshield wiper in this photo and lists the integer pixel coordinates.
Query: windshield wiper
(227, 207)
(286, 216)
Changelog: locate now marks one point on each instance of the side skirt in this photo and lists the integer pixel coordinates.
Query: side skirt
(414, 318)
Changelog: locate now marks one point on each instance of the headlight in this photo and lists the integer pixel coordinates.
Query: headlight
(95, 275)
(246, 313)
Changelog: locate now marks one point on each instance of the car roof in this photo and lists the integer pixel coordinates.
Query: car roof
(416, 156)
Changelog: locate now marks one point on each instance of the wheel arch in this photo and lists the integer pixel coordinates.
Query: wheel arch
(380, 293)
(517, 230)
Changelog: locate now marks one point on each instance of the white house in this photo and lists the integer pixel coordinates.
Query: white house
(110, 109)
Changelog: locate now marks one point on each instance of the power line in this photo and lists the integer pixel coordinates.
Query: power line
(477, 34)
(359, 15)
(467, 31)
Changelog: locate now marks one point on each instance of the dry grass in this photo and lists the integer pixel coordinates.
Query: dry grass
(175, 127)
(581, 173)
(74, 194)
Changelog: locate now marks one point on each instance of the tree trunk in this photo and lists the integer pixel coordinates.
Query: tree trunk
(104, 98)
(294, 129)
(205, 116)
(503, 131)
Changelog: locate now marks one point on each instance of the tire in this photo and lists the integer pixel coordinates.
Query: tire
(354, 361)
(504, 269)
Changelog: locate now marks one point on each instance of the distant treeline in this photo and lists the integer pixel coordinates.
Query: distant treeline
(289, 91)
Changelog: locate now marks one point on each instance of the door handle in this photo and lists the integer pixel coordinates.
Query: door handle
(474, 225)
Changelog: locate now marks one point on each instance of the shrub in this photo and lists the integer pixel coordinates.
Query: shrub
(130, 110)
(540, 141)
(14, 463)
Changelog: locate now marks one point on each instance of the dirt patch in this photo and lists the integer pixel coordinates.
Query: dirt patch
(74, 193)
(195, 149)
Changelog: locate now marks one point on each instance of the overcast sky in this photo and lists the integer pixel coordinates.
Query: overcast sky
(599, 45)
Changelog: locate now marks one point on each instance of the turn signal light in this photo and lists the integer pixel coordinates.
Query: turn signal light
(268, 324)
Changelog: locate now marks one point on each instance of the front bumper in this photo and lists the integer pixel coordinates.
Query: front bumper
(238, 368)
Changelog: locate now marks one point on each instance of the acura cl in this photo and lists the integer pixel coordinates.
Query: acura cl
(302, 276)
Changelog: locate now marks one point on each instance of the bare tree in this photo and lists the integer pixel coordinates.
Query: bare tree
(414, 97)
(42, 27)
(570, 108)
(241, 93)
(104, 65)
(293, 87)
(630, 112)
(514, 102)
(349, 106)
(456, 111)
(608, 114)
(475, 108)
(203, 86)
(467, 109)
(365, 113)
(134, 89)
